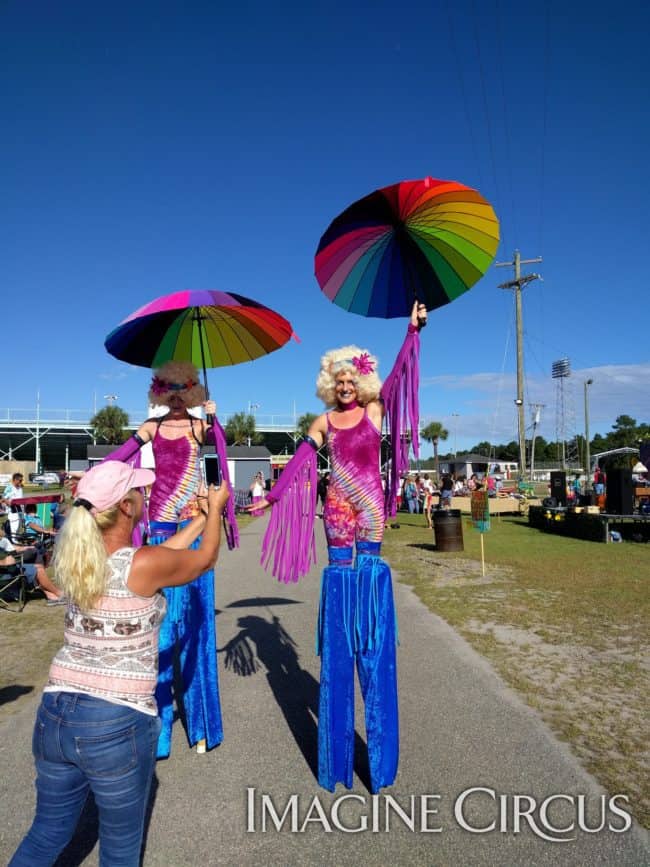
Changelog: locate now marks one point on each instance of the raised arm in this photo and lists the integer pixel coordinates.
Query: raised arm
(400, 396)
(161, 566)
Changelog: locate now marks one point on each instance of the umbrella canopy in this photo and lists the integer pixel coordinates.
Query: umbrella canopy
(429, 240)
(207, 327)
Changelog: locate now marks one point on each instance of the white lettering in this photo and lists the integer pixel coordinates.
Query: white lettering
(582, 815)
(543, 814)
(278, 821)
(458, 810)
(503, 814)
(426, 811)
(375, 814)
(391, 803)
(250, 810)
(321, 818)
(627, 819)
(518, 813)
(335, 814)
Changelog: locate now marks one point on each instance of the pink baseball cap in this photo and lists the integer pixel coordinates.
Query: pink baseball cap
(107, 483)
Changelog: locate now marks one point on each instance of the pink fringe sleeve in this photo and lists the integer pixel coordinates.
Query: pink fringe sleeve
(400, 395)
(216, 433)
(289, 546)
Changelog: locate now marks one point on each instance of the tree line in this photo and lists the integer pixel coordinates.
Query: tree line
(109, 424)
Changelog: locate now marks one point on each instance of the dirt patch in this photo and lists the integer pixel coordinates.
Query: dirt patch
(28, 641)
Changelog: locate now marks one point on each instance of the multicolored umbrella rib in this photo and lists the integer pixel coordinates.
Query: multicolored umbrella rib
(428, 239)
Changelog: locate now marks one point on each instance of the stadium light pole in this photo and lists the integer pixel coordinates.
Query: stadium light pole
(588, 382)
(455, 416)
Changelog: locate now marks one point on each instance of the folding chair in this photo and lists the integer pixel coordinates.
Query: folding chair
(13, 585)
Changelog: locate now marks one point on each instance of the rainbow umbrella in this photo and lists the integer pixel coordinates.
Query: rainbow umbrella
(427, 240)
(204, 326)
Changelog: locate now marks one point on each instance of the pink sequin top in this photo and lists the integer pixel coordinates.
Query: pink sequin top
(177, 478)
(355, 497)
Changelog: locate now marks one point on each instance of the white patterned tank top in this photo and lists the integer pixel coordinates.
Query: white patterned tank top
(111, 651)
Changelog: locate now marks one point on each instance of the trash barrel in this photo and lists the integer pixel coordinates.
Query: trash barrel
(448, 530)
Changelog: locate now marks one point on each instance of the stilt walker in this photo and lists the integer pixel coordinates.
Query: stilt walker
(356, 620)
(406, 248)
(176, 334)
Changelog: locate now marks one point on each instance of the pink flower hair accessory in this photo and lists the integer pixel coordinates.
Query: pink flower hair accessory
(363, 363)
(158, 385)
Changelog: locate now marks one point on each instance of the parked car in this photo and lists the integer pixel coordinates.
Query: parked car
(46, 479)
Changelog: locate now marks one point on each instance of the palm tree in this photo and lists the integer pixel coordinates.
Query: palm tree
(304, 423)
(240, 430)
(433, 433)
(108, 424)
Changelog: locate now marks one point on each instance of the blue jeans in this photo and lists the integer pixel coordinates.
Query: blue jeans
(82, 743)
(414, 505)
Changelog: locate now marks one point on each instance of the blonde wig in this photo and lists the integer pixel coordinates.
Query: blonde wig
(176, 373)
(359, 364)
(80, 559)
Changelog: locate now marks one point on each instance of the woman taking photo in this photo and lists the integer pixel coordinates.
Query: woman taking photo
(97, 725)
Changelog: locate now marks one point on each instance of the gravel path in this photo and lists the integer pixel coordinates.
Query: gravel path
(461, 728)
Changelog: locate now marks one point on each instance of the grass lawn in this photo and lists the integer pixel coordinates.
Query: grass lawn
(565, 623)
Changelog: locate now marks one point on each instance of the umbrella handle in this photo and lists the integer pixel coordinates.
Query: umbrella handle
(422, 322)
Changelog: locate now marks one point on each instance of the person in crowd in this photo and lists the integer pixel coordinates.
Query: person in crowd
(33, 526)
(400, 493)
(97, 725)
(600, 480)
(446, 491)
(576, 489)
(257, 490)
(323, 482)
(13, 491)
(357, 616)
(189, 628)
(31, 563)
(411, 495)
(427, 486)
(60, 510)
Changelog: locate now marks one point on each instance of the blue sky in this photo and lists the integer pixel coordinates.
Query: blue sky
(155, 146)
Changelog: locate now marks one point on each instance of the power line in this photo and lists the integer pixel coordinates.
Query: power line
(485, 105)
(547, 55)
(506, 123)
(464, 96)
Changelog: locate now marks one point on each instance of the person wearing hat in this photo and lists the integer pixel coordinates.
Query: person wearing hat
(97, 725)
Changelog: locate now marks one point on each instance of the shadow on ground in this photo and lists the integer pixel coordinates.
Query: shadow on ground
(11, 693)
(261, 642)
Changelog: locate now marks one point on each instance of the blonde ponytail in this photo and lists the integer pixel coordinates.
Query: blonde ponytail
(80, 559)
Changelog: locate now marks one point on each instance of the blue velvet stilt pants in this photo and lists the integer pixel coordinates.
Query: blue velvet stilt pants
(189, 627)
(357, 628)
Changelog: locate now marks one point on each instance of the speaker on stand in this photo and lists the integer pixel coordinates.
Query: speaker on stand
(558, 487)
(619, 492)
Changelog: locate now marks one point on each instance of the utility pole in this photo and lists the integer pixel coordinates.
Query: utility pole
(537, 410)
(517, 285)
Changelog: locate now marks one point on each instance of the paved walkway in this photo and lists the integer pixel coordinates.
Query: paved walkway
(460, 728)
